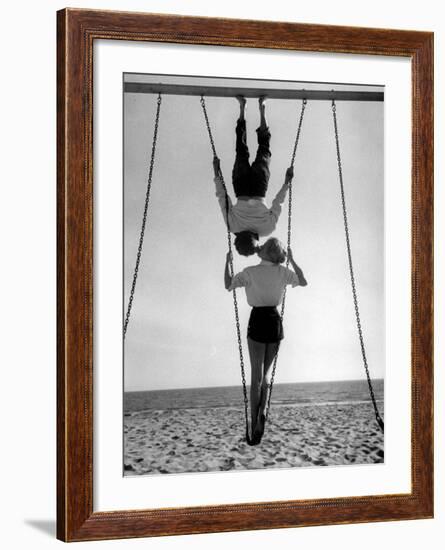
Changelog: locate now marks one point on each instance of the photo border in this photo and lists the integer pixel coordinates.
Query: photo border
(76, 32)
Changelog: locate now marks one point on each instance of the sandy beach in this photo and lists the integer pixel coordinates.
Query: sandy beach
(212, 439)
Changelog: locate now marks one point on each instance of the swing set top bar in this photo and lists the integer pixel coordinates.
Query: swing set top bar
(223, 91)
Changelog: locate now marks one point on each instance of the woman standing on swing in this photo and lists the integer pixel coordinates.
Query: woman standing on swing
(264, 285)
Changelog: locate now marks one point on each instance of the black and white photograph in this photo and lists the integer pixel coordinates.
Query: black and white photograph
(222, 275)
(253, 274)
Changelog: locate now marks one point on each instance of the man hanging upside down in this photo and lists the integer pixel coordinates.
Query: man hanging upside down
(250, 218)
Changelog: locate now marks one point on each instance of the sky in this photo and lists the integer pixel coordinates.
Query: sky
(182, 331)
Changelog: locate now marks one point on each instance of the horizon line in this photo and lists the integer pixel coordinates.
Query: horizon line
(236, 385)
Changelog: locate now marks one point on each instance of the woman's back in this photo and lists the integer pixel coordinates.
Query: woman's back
(265, 283)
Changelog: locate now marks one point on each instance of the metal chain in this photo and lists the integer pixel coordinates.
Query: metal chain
(289, 230)
(231, 269)
(144, 217)
(351, 271)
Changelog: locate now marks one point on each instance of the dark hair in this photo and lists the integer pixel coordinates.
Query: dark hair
(246, 243)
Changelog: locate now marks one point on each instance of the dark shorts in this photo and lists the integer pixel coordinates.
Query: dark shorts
(265, 325)
(251, 180)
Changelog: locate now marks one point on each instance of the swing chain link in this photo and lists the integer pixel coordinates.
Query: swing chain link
(231, 270)
(144, 217)
(351, 271)
(289, 235)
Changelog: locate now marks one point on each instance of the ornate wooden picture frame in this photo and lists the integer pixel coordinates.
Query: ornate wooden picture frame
(77, 31)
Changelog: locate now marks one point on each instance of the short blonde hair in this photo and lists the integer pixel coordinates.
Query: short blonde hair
(273, 251)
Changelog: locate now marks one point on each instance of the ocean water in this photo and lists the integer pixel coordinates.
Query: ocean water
(349, 391)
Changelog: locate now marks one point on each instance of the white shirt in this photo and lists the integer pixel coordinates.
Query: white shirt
(265, 283)
(250, 215)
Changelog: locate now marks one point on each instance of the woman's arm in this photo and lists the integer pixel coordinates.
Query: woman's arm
(296, 268)
(227, 276)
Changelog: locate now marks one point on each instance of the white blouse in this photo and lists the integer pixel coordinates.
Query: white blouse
(265, 283)
(251, 215)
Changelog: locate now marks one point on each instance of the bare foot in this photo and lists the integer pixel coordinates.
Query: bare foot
(261, 423)
(262, 105)
(258, 431)
(262, 101)
(242, 105)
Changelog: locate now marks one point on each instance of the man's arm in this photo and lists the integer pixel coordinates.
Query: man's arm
(227, 276)
(281, 195)
(296, 268)
(224, 200)
(216, 166)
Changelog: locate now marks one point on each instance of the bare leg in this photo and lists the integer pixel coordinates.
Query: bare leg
(269, 356)
(257, 353)
(262, 106)
(242, 106)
